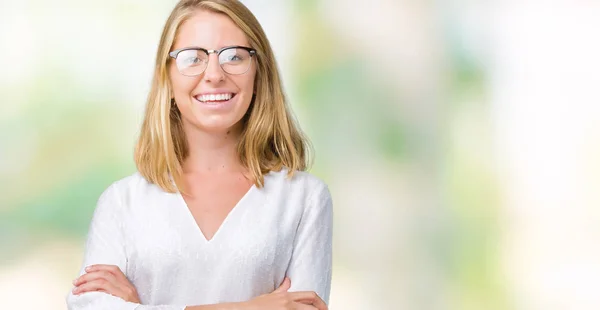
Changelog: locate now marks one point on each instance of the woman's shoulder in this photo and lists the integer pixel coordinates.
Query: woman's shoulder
(296, 180)
(302, 188)
(133, 185)
(130, 182)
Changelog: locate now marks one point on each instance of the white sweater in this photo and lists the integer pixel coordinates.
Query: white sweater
(284, 228)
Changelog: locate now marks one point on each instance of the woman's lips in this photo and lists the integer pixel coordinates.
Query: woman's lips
(214, 97)
(214, 101)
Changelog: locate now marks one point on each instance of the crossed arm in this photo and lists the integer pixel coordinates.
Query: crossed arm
(110, 280)
(103, 285)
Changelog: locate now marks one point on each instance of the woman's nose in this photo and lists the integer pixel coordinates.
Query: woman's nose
(213, 72)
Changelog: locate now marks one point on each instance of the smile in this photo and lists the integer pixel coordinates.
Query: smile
(207, 98)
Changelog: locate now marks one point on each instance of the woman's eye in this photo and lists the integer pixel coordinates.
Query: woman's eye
(234, 58)
(193, 61)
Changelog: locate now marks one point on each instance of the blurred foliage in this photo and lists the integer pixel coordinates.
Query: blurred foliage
(344, 108)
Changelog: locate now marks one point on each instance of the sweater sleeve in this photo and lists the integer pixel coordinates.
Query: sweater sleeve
(310, 265)
(105, 245)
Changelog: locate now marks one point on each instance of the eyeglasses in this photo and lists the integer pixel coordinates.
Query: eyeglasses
(192, 61)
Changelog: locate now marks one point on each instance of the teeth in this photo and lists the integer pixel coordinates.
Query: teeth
(214, 97)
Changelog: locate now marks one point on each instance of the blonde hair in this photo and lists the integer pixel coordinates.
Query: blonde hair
(271, 138)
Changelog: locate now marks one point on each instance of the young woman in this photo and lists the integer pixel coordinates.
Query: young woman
(221, 214)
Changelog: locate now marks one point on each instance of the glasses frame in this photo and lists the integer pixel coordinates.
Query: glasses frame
(175, 53)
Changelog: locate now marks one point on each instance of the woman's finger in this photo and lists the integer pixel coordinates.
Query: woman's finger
(310, 298)
(97, 285)
(113, 281)
(94, 275)
(115, 270)
(318, 303)
(285, 285)
(301, 306)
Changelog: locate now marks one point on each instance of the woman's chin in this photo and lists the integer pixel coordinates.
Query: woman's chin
(215, 124)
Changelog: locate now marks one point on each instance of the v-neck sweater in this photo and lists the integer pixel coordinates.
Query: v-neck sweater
(282, 229)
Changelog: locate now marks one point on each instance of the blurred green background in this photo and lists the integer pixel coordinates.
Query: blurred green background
(460, 140)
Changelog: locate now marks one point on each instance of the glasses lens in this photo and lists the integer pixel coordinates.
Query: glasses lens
(235, 60)
(191, 62)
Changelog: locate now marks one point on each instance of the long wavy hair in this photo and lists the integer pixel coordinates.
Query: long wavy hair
(271, 138)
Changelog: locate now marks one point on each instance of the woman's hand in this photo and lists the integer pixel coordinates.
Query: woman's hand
(281, 299)
(108, 279)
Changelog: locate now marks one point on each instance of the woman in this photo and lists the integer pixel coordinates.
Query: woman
(220, 214)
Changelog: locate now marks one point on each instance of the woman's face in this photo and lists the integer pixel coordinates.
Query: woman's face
(213, 101)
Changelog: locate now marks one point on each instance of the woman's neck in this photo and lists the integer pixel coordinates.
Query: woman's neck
(212, 152)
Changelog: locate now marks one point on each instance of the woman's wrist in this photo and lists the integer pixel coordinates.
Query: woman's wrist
(223, 306)
(242, 306)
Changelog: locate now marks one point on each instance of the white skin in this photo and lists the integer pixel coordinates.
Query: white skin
(212, 135)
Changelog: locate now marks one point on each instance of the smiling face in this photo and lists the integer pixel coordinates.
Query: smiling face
(213, 101)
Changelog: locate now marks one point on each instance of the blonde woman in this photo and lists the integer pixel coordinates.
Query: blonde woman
(221, 214)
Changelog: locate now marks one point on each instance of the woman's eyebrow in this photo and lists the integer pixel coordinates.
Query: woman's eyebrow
(218, 48)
